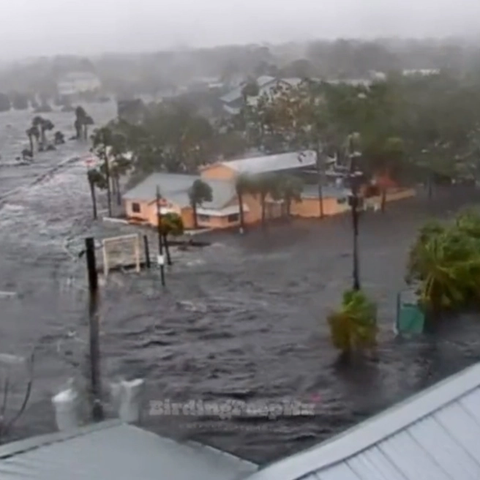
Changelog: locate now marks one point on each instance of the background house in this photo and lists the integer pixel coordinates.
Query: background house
(75, 84)
(224, 211)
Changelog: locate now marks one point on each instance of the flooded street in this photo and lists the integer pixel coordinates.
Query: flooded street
(244, 318)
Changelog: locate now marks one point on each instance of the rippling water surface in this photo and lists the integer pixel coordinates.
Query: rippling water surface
(241, 319)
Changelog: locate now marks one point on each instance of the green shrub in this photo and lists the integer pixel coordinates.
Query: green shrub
(354, 326)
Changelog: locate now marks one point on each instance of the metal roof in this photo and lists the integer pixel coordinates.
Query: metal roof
(431, 436)
(237, 93)
(112, 450)
(174, 188)
(273, 163)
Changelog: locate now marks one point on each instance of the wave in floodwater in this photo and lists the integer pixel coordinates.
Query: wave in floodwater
(242, 319)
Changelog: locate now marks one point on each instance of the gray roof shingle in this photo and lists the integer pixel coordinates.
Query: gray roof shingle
(433, 435)
(174, 187)
(112, 450)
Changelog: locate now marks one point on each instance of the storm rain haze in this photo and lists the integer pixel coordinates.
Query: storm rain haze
(53, 27)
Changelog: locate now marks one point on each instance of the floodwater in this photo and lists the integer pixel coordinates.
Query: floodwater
(243, 319)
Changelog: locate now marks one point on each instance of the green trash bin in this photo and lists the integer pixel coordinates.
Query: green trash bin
(410, 317)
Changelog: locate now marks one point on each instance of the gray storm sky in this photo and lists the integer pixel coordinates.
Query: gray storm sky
(46, 27)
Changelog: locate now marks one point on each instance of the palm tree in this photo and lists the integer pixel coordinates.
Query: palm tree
(45, 127)
(102, 141)
(243, 184)
(289, 189)
(264, 185)
(82, 122)
(172, 224)
(33, 135)
(199, 193)
(95, 179)
(446, 265)
(354, 327)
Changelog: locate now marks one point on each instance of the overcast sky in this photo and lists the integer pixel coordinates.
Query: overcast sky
(46, 27)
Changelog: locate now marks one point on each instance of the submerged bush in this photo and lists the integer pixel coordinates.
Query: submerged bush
(354, 326)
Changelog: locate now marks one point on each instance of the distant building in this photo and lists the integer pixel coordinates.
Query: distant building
(233, 100)
(420, 72)
(77, 83)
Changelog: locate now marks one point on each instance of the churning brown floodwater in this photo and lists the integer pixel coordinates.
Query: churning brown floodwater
(242, 319)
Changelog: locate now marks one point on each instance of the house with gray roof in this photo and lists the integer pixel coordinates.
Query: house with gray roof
(140, 202)
(233, 100)
(224, 211)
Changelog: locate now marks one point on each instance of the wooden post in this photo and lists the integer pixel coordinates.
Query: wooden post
(95, 382)
(147, 252)
(91, 265)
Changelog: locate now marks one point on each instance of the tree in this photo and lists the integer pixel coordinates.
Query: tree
(444, 264)
(82, 122)
(45, 126)
(33, 134)
(354, 327)
(199, 193)
(263, 186)
(288, 189)
(102, 142)
(95, 180)
(172, 224)
(250, 90)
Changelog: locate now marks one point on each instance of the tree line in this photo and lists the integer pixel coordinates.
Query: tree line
(130, 74)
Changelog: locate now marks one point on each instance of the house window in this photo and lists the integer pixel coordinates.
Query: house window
(135, 207)
(203, 218)
(235, 217)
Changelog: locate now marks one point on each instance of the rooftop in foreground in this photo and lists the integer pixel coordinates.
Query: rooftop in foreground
(111, 450)
(433, 435)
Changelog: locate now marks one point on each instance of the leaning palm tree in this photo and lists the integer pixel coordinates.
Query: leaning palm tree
(353, 328)
(33, 135)
(172, 224)
(95, 180)
(446, 267)
(45, 127)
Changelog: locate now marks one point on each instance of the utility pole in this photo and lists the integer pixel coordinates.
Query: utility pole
(94, 327)
(355, 179)
(320, 178)
(161, 259)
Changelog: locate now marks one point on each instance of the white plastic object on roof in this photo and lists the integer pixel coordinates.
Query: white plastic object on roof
(66, 404)
(127, 396)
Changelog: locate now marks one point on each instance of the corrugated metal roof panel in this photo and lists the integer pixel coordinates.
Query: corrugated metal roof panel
(273, 163)
(120, 452)
(431, 436)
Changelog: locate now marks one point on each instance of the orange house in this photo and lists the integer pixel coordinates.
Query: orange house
(223, 211)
